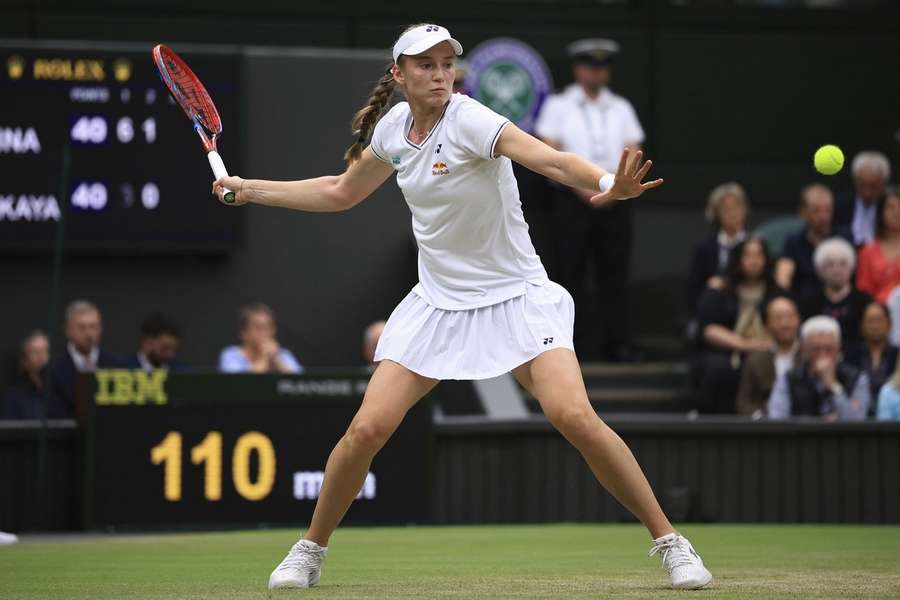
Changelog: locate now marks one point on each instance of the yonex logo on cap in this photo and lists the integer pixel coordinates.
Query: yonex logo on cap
(421, 38)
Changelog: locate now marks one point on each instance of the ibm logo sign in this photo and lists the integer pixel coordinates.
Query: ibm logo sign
(308, 484)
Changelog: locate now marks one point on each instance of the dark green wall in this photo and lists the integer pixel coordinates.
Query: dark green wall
(725, 92)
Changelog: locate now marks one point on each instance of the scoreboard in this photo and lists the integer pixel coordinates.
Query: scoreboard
(99, 119)
(185, 449)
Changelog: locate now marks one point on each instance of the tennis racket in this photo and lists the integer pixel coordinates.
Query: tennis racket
(193, 98)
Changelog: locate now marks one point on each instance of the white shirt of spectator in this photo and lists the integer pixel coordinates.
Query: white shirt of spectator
(145, 363)
(597, 129)
(863, 222)
(84, 364)
(784, 362)
(474, 247)
(727, 244)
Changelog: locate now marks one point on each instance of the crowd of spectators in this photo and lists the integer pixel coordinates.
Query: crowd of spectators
(804, 324)
(44, 387)
(812, 330)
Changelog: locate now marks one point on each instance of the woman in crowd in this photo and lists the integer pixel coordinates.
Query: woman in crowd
(26, 396)
(889, 399)
(259, 350)
(731, 323)
(726, 211)
(874, 354)
(837, 297)
(879, 260)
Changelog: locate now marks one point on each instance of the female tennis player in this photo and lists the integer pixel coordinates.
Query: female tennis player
(483, 305)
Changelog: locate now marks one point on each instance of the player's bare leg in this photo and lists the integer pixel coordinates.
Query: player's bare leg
(392, 391)
(554, 378)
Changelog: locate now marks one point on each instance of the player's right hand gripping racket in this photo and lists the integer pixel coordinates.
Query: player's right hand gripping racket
(193, 98)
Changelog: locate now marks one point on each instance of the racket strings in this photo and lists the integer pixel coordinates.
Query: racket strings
(192, 96)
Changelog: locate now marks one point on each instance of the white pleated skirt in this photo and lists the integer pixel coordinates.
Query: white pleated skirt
(478, 343)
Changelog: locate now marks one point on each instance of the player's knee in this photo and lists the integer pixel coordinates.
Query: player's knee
(574, 421)
(367, 436)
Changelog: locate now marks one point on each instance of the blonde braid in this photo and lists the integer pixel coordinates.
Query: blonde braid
(365, 119)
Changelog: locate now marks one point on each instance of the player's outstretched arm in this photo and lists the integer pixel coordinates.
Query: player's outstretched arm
(323, 194)
(575, 171)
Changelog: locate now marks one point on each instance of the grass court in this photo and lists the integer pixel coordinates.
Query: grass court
(540, 561)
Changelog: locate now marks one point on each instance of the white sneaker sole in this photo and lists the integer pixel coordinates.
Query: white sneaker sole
(287, 585)
(692, 585)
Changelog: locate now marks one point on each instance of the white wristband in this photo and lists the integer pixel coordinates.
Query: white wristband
(607, 182)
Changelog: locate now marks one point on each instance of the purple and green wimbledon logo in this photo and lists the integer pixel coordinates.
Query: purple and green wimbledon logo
(510, 78)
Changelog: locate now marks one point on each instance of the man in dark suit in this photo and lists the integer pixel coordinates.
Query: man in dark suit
(871, 172)
(160, 339)
(83, 330)
(795, 270)
(762, 367)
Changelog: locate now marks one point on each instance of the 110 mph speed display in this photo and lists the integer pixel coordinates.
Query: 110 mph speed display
(136, 180)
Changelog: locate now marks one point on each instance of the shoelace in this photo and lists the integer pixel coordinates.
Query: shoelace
(301, 557)
(675, 553)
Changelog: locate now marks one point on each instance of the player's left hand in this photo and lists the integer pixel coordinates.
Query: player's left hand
(629, 179)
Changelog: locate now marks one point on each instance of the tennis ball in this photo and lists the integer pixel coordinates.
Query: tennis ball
(828, 159)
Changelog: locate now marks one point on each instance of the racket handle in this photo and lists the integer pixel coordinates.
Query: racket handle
(218, 169)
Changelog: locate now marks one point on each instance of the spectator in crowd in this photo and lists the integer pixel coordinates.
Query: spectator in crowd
(874, 354)
(259, 351)
(762, 367)
(879, 260)
(587, 118)
(726, 211)
(83, 330)
(821, 385)
(731, 324)
(795, 270)
(871, 171)
(26, 395)
(160, 339)
(838, 298)
(893, 305)
(370, 340)
(889, 399)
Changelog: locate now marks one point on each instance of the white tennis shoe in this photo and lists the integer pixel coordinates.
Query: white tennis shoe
(681, 561)
(300, 568)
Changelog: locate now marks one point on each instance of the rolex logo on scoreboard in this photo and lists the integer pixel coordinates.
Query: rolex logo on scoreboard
(15, 66)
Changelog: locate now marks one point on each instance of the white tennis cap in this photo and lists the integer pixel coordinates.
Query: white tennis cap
(423, 37)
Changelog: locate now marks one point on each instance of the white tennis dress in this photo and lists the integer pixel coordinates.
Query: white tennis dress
(483, 304)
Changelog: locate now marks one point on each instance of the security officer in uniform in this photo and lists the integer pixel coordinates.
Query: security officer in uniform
(590, 120)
